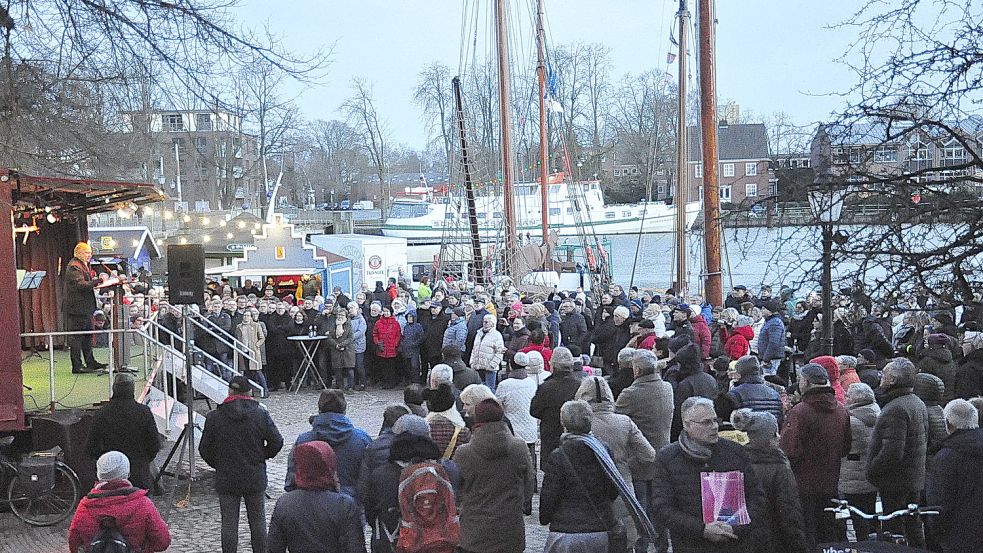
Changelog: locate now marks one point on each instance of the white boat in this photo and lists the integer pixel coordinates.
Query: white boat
(428, 221)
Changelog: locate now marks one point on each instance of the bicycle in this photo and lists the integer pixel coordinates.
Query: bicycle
(843, 510)
(41, 489)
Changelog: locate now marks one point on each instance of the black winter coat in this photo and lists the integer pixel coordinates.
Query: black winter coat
(896, 455)
(573, 331)
(577, 495)
(309, 521)
(937, 360)
(784, 513)
(128, 427)
(677, 502)
(79, 298)
(610, 339)
(955, 484)
(433, 332)
(969, 376)
(688, 379)
(871, 336)
(545, 406)
(842, 339)
(238, 438)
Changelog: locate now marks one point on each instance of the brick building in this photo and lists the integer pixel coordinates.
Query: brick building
(744, 174)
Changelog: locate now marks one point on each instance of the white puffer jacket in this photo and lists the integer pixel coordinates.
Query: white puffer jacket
(488, 349)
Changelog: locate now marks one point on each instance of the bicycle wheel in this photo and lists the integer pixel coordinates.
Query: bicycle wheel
(47, 508)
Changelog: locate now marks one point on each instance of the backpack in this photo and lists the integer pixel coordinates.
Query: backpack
(428, 514)
(109, 539)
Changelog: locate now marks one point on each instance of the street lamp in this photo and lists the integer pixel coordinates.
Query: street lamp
(827, 205)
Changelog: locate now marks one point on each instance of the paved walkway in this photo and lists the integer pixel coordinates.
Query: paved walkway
(195, 528)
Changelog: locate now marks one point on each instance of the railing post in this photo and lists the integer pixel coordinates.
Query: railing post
(112, 362)
(51, 372)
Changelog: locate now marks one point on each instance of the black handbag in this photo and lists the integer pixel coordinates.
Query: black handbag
(617, 531)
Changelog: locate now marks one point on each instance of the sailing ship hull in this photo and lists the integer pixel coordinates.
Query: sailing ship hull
(435, 225)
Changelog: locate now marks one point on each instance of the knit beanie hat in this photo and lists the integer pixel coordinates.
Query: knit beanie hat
(440, 399)
(536, 363)
(676, 343)
(488, 410)
(814, 374)
(747, 366)
(112, 465)
(562, 359)
(459, 311)
(622, 311)
(521, 359)
(938, 339)
(413, 424)
(929, 388)
(867, 354)
(760, 426)
(859, 394)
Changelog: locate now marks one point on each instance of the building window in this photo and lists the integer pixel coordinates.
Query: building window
(725, 193)
(634, 170)
(953, 153)
(200, 143)
(609, 215)
(173, 122)
(920, 152)
(750, 189)
(728, 169)
(482, 215)
(751, 169)
(661, 189)
(699, 170)
(569, 211)
(201, 168)
(203, 121)
(554, 211)
(626, 213)
(885, 154)
(617, 172)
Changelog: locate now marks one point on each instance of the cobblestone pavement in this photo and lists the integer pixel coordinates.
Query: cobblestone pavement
(195, 528)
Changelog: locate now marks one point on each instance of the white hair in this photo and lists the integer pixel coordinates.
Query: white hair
(961, 415)
(694, 402)
(441, 374)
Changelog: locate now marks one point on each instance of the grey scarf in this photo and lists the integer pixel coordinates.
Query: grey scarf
(695, 450)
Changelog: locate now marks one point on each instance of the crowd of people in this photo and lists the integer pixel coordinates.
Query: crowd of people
(639, 404)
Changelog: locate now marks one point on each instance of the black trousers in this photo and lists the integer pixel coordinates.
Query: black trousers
(80, 345)
(911, 527)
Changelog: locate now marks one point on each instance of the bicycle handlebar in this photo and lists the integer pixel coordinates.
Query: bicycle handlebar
(911, 510)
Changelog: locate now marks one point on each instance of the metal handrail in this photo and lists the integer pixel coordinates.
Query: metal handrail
(199, 320)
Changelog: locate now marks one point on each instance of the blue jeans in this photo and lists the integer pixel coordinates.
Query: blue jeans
(360, 369)
(259, 378)
(771, 367)
(491, 379)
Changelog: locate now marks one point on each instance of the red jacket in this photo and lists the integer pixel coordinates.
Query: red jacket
(737, 344)
(815, 438)
(393, 292)
(543, 350)
(702, 333)
(386, 333)
(135, 515)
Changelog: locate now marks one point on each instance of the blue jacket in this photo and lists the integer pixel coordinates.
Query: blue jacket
(771, 339)
(409, 344)
(349, 445)
(751, 392)
(358, 334)
(456, 333)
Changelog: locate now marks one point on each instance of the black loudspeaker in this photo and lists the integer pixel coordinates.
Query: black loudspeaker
(186, 274)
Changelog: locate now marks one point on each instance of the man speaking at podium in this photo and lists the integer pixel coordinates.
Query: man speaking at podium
(79, 304)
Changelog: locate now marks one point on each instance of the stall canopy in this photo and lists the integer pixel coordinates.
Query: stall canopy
(279, 251)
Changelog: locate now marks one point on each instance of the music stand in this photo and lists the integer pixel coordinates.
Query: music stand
(32, 281)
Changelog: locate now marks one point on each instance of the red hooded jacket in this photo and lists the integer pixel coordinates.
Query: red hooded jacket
(386, 333)
(737, 344)
(135, 515)
(829, 363)
(701, 332)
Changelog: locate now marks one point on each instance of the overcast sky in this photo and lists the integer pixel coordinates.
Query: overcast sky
(772, 56)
